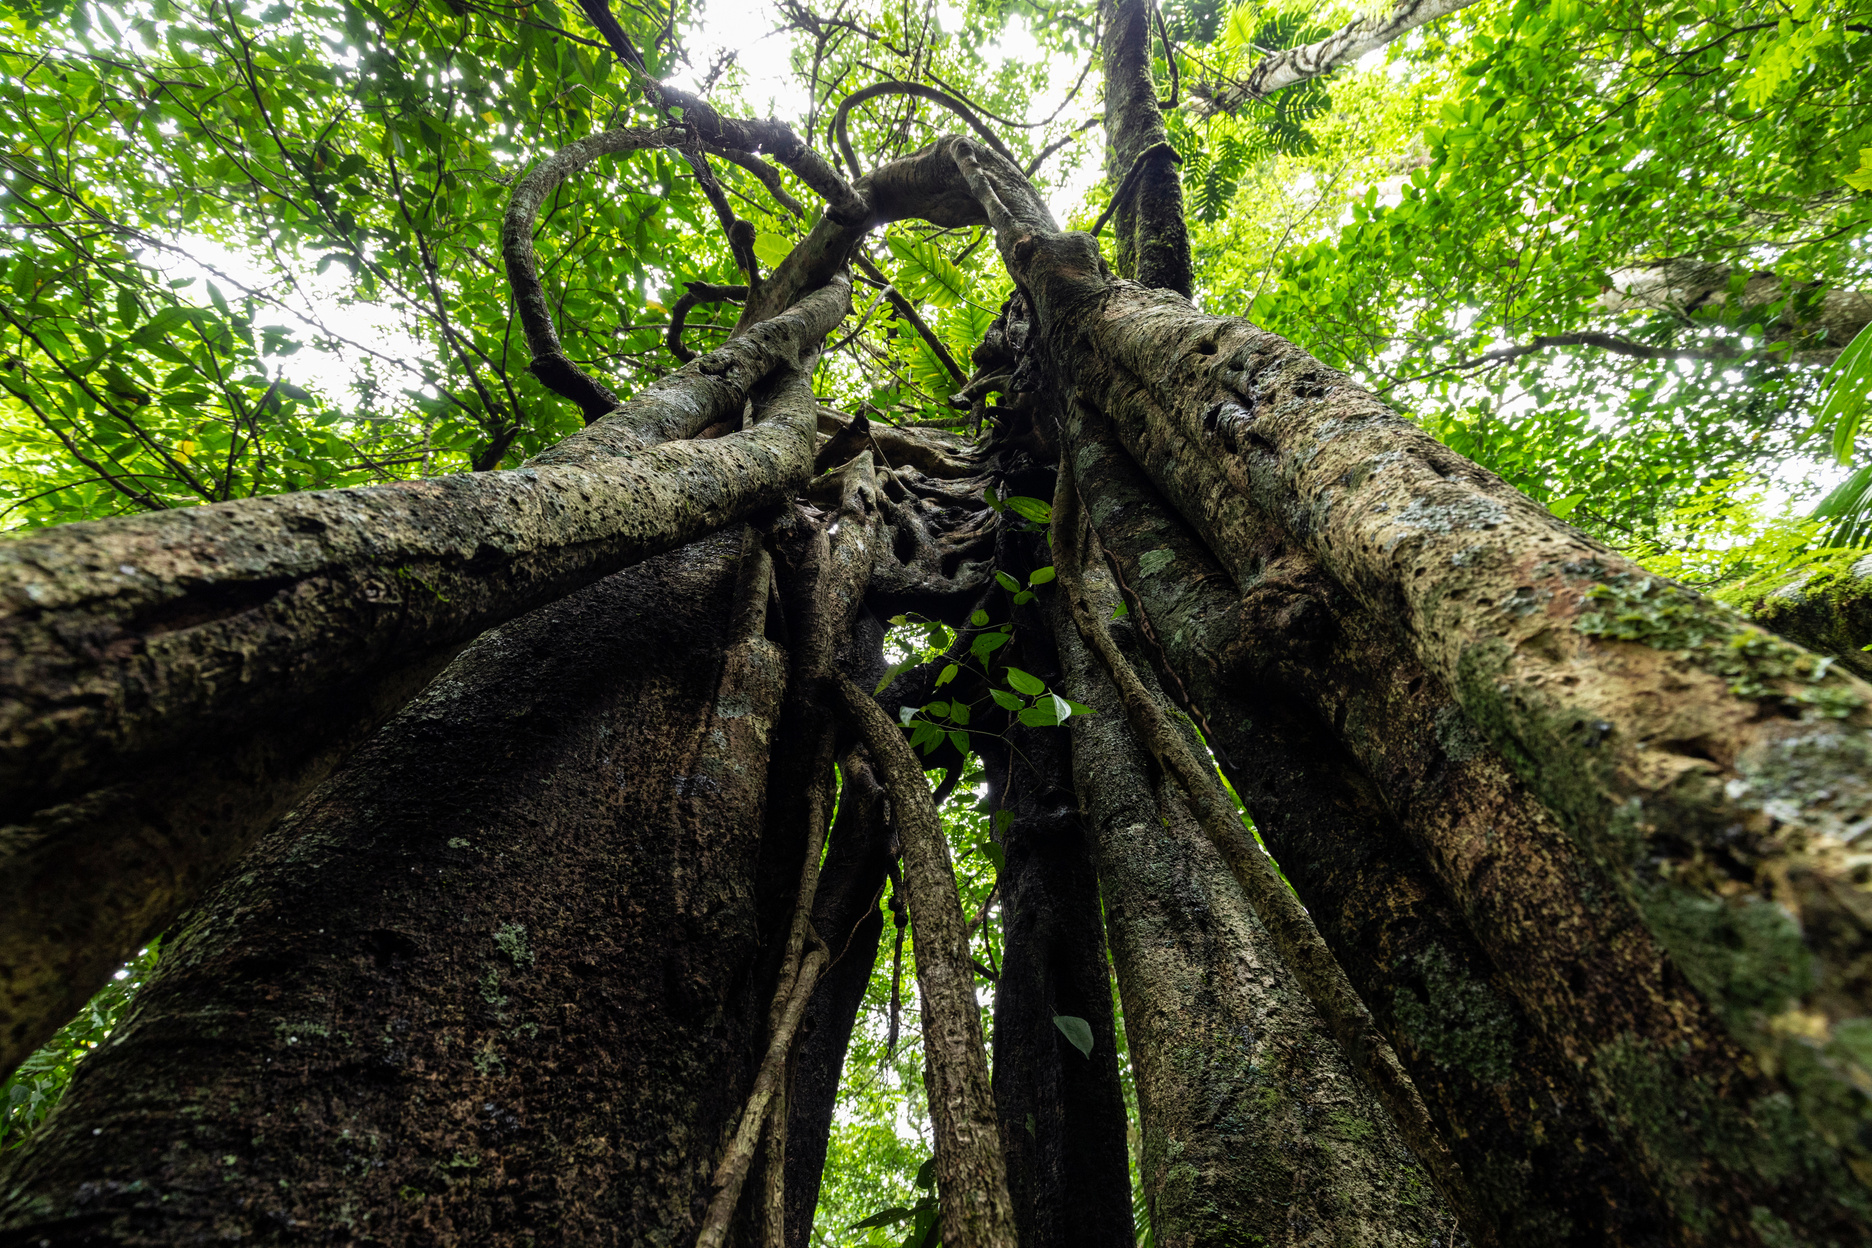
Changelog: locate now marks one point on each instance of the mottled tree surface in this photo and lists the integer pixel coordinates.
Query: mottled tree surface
(491, 984)
(1254, 1126)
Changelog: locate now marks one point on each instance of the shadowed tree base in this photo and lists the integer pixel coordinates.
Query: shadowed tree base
(493, 977)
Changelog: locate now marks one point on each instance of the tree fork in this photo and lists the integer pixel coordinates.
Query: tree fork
(133, 649)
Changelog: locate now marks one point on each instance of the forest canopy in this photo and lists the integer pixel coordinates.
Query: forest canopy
(1618, 255)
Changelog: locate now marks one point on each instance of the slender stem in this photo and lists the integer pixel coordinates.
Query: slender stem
(971, 1173)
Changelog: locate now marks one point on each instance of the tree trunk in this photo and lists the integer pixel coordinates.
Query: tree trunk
(847, 916)
(171, 683)
(1062, 1111)
(1723, 811)
(1515, 1111)
(1255, 1130)
(1826, 607)
(496, 976)
(1147, 193)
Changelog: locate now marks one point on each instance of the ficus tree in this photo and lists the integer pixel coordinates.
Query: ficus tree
(524, 838)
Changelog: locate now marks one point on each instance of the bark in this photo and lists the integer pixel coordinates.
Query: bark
(1825, 318)
(1342, 47)
(1255, 1130)
(1825, 606)
(1306, 955)
(497, 975)
(1515, 1109)
(971, 1175)
(847, 915)
(1695, 760)
(1152, 237)
(1062, 1112)
(134, 651)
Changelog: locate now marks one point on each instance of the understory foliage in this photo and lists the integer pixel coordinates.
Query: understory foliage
(1609, 251)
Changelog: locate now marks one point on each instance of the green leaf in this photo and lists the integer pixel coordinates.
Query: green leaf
(1023, 598)
(1030, 508)
(947, 674)
(938, 709)
(1062, 709)
(925, 274)
(1041, 576)
(1028, 684)
(1039, 716)
(979, 619)
(1076, 1030)
(1563, 507)
(1119, 611)
(885, 1217)
(959, 712)
(771, 249)
(1006, 582)
(960, 740)
(1849, 385)
(986, 644)
(1005, 700)
(993, 853)
(926, 1175)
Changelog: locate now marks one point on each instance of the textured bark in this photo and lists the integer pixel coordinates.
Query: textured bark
(847, 916)
(1826, 607)
(971, 1176)
(133, 649)
(1827, 318)
(492, 984)
(1313, 60)
(1514, 1105)
(1255, 1130)
(1739, 785)
(1062, 1112)
(1152, 237)
(1301, 947)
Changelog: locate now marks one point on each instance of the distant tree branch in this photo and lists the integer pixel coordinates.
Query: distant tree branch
(1348, 43)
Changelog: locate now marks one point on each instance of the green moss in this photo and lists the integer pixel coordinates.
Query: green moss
(1459, 1022)
(1348, 1126)
(1835, 576)
(1755, 664)
(1691, 1137)
(511, 940)
(1746, 959)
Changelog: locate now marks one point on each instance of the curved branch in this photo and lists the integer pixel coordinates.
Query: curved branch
(697, 292)
(550, 364)
(1614, 343)
(917, 89)
(769, 176)
(1033, 166)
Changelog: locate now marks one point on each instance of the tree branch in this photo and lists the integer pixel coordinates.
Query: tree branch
(1348, 43)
